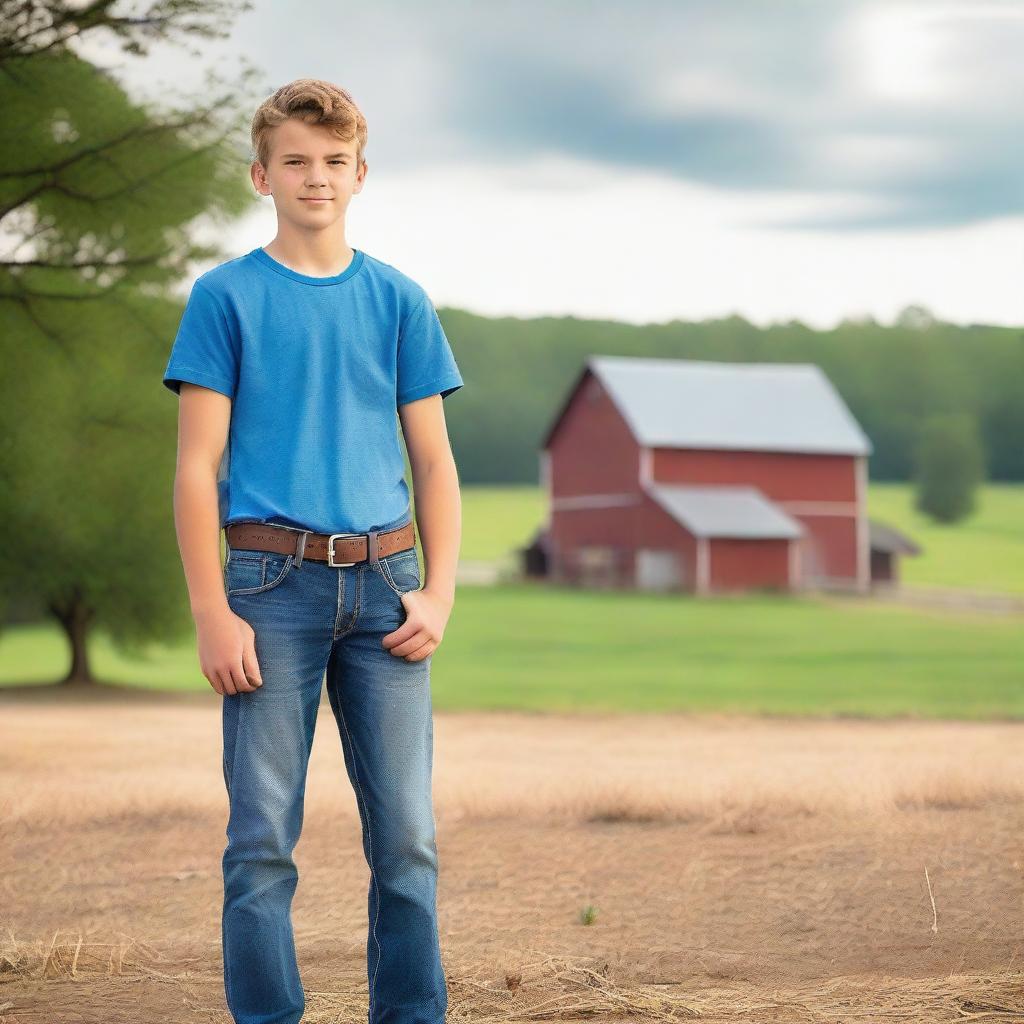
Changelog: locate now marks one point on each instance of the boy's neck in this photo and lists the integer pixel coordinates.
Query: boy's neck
(318, 255)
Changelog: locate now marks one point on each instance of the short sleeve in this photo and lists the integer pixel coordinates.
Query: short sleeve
(204, 351)
(426, 365)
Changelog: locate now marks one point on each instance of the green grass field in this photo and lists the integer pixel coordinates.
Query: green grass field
(984, 552)
(532, 646)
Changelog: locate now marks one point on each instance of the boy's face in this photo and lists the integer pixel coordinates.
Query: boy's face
(308, 161)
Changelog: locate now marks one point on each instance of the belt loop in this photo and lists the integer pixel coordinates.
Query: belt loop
(300, 548)
(371, 547)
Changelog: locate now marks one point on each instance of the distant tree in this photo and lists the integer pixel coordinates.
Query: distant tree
(917, 318)
(99, 194)
(950, 464)
(858, 320)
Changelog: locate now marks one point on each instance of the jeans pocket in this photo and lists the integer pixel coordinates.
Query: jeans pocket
(253, 572)
(401, 570)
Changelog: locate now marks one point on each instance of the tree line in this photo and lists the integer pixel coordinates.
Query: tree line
(897, 379)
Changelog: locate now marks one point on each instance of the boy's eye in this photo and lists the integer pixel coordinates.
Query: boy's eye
(299, 161)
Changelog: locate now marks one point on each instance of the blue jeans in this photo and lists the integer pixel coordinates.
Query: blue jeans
(308, 620)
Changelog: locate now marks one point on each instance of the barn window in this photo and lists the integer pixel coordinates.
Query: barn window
(599, 565)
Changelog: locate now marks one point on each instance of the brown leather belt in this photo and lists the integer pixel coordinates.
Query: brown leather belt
(336, 549)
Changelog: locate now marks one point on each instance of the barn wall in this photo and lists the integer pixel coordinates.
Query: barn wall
(592, 451)
(624, 529)
(739, 563)
(575, 529)
(829, 548)
(659, 531)
(783, 476)
(595, 495)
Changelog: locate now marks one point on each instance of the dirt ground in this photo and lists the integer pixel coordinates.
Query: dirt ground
(737, 869)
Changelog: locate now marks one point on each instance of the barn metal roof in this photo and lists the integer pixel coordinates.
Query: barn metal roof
(687, 403)
(724, 511)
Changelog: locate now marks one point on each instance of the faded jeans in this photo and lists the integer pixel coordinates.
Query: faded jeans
(310, 620)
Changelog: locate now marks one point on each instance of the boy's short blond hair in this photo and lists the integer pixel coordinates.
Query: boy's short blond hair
(315, 102)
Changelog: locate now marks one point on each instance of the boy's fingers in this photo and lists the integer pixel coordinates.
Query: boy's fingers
(411, 644)
(407, 629)
(251, 666)
(241, 684)
(422, 651)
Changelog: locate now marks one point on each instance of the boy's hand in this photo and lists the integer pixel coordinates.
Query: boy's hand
(227, 652)
(426, 615)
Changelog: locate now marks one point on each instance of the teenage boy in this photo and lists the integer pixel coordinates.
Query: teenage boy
(290, 363)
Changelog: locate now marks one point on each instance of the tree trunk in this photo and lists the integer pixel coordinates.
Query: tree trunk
(74, 615)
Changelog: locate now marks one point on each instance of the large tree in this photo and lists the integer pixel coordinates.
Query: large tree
(99, 197)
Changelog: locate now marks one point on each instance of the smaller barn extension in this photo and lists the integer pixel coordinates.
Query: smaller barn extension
(738, 538)
(887, 544)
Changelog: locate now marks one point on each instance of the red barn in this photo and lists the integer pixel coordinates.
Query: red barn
(679, 474)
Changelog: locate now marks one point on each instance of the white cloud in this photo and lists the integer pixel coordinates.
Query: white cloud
(899, 53)
(867, 156)
(936, 53)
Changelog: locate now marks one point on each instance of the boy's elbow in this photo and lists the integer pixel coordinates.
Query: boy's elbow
(196, 464)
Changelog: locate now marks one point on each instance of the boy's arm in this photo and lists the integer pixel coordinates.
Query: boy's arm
(436, 492)
(203, 419)
(226, 651)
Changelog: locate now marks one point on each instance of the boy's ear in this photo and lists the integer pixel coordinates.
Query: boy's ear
(259, 178)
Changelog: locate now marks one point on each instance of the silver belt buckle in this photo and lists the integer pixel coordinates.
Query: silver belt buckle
(330, 549)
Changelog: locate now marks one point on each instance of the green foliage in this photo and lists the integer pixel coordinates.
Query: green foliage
(98, 194)
(950, 466)
(101, 190)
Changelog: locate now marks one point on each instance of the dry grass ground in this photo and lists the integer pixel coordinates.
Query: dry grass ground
(736, 869)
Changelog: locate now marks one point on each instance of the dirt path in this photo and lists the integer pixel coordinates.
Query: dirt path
(742, 869)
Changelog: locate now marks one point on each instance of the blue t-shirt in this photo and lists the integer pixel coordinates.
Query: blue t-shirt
(316, 368)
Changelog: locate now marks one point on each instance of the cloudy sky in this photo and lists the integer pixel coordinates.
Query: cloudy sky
(651, 160)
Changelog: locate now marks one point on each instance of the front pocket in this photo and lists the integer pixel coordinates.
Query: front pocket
(254, 575)
(401, 571)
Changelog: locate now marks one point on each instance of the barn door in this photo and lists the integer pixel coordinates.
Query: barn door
(658, 569)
